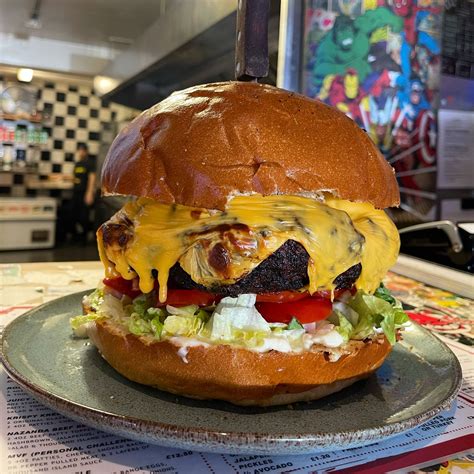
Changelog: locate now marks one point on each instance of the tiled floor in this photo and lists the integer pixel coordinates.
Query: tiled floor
(62, 253)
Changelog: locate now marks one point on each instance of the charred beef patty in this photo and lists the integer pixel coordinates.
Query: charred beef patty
(285, 269)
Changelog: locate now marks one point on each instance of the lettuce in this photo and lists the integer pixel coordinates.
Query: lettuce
(383, 293)
(189, 310)
(95, 299)
(294, 324)
(240, 313)
(138, 325)
(140, 305)
(377, 312)
(154, 313)
(78, 321)
(184, 321)
(346, 311)
(345, 327)
(237, 320)
(175, 325)
(157, 327)
(250, 339)
(145, 319)
(219, 327)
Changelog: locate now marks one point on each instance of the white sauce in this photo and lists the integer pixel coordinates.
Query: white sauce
(329, 339)
(279, 344)
(183, 352)
(187, 341)
(184, 343)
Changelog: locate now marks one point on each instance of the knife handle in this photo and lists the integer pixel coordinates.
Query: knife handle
(251, 42)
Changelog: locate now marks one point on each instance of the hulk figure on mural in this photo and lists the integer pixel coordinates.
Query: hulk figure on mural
(347, 45)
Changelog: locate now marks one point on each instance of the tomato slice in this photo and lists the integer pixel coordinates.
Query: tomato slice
(287, 296)
(122, 286)
(307, 310)
(187, 297)
(281, 296)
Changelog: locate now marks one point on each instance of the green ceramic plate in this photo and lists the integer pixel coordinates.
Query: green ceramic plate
(420, 378)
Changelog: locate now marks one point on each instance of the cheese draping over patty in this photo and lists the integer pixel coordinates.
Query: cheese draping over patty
(219, 247)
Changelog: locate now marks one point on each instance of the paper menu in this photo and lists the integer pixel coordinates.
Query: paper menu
(455, 145)
(37, 439)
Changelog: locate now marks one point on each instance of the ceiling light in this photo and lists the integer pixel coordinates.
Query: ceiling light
(104, 84)
(24, 74)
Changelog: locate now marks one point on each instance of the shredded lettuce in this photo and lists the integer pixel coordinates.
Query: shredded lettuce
(362, 314)
(138, 325)
(78, 321)
(145, 319)
(189, 310)
(237, 320)
(383, 293)
(294, 324)
(95, 299)
(157, 327)
(182, 326)
(344, 326)
(140, 305)
(250, 339)
(377, 312)
(159, 313)
(157, 322)
(346, 311)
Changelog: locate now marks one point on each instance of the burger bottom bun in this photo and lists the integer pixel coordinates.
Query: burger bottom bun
(239, 376)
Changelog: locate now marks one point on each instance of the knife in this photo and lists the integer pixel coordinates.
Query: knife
(251, 40)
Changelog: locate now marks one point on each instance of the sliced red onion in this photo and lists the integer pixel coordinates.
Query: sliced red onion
(309, 327)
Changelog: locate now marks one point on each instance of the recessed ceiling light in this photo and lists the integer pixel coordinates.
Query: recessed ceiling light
(24, 74)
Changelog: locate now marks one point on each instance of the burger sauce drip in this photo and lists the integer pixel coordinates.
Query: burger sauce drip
(219, 259)
(250, 230)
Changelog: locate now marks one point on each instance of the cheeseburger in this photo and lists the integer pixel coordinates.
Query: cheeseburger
(246, 265)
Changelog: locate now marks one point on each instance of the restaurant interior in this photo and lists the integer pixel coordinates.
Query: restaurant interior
(75, 73)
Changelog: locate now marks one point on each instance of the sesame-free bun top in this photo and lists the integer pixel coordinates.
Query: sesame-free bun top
(205, 144)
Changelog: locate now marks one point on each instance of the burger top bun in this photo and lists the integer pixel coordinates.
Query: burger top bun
(202, 145)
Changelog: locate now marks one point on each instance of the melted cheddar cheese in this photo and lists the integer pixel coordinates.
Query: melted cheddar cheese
(222, 246)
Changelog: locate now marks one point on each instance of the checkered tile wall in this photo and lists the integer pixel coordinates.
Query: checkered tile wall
(72, 115)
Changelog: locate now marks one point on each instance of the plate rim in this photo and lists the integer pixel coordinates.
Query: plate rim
(166, 433)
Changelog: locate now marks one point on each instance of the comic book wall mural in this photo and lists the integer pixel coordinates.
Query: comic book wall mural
(378, 61)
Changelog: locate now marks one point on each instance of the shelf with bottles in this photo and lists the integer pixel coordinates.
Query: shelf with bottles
(18, 157)
(21, 143)
(18, 133)
(19, 168)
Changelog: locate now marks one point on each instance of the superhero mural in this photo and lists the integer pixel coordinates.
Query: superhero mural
(378, 62)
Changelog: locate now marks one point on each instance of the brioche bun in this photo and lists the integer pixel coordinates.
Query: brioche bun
(202, 145)
(237, 375)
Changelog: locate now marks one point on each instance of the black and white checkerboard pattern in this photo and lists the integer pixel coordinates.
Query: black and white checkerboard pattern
(73, 114)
